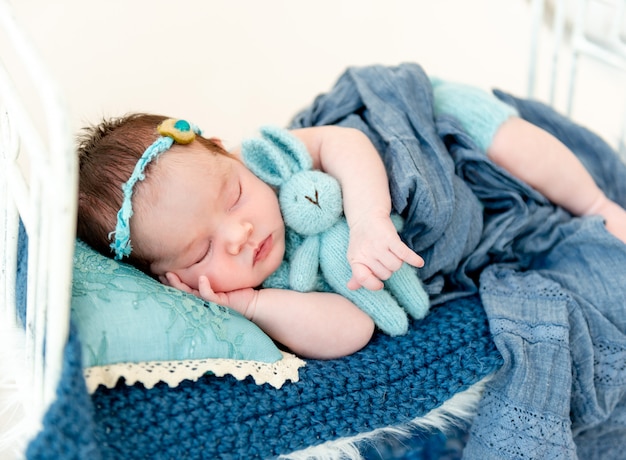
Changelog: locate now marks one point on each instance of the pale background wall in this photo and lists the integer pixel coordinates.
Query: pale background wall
(233, 65)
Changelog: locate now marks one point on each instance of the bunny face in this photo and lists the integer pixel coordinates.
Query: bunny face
(311, 202)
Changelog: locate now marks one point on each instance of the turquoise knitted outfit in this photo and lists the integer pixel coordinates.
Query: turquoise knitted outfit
(479, 112)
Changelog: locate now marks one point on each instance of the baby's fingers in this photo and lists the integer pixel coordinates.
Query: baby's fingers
(405, 253)
(173, 280)
(206, 292)
(362, 276)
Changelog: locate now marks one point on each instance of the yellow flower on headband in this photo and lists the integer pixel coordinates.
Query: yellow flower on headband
(179, 130)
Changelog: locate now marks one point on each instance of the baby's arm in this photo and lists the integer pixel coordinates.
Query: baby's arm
(376, 250)
(542, 161)
(316, 325)
(528, 152)
(319, 325)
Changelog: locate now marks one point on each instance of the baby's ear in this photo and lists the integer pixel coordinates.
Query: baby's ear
(292, 147)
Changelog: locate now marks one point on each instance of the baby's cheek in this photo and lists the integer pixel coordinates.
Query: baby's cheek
(190, 278)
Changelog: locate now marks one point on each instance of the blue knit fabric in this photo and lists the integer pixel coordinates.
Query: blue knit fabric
(70, 425)
(388, 383)
(396, 380)
(479, 112)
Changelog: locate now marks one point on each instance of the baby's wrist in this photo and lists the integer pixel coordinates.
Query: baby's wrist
(598, 205)
(366, 216)
(251, 308)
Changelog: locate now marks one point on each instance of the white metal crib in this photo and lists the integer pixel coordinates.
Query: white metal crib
(578, 29)
(38, 182)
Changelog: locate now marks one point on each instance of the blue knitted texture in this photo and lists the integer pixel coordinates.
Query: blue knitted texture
(70, 428)
(443, 354)
(479, 112)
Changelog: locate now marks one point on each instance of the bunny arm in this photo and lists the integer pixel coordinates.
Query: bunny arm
(408, 290)
(379, 305)
(304, 265)
(406, 286)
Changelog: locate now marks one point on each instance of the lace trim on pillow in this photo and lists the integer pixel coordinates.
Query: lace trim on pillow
(173, 372)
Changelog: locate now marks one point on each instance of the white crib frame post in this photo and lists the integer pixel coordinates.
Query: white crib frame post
(46, 202)
(612, 50)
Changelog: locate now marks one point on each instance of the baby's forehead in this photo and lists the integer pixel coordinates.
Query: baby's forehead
(196, 155)
(183, 166)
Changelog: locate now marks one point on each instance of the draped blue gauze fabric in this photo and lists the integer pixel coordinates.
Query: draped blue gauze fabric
(552, 285)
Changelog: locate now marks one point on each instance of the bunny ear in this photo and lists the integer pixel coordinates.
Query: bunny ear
(265, 161)
(291, 147)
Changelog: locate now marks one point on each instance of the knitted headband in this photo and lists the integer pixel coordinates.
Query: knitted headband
(170, 130)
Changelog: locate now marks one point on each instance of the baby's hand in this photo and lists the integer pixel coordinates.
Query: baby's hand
(241, 300)
(376, 252)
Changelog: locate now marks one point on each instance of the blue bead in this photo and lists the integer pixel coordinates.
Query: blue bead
(182, 125)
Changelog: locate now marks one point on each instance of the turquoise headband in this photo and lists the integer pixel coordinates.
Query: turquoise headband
(171, 130)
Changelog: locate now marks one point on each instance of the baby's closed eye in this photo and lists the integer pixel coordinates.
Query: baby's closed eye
(204, 253)
(236, 196)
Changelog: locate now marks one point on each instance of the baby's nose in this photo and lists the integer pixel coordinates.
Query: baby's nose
(240, 234)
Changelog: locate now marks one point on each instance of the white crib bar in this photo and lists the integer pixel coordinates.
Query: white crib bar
(611, 49)
(46, 202)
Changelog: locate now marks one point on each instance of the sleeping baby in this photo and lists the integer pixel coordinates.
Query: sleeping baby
(200, 220)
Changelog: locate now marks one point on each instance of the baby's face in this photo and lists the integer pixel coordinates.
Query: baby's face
(204, 214)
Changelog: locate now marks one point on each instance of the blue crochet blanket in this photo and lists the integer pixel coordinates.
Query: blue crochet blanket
(389, 383)
(523, 292)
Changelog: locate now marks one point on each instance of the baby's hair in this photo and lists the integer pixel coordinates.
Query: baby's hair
(107, 154)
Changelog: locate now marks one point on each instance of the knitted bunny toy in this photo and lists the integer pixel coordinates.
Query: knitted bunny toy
(312, 206)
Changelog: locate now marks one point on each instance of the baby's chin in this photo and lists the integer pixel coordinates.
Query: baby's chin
(272, 263)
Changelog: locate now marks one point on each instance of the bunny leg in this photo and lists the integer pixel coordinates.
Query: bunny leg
(384, 310)
(304, 265)
(409, 291)
(379, 305)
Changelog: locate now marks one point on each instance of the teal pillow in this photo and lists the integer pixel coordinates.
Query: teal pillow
(124, 316)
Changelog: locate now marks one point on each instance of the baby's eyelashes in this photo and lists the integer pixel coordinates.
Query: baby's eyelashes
(238, 195)
(205, 253)
(232, 194)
